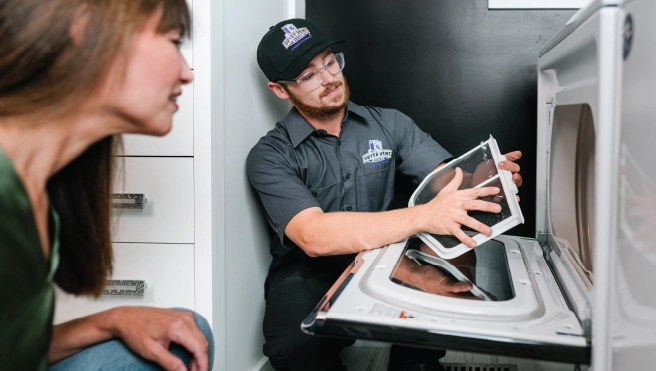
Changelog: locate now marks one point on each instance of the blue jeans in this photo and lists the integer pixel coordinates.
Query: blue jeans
(115, 355)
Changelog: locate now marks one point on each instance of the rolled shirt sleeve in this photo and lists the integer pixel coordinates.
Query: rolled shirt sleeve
(281, 190)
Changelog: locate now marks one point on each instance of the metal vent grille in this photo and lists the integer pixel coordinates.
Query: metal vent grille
(477, 367)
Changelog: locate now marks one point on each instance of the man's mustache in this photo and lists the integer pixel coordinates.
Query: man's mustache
(331, 87)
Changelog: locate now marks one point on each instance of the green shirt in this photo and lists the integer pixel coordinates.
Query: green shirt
(26, 291)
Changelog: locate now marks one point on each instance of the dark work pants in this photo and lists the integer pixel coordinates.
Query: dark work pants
(292, 289)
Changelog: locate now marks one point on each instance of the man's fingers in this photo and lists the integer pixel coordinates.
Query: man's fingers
(486, 206)
(643, 231)
(640, 210)
(474, 193)
(510, 166)
(517, 179)
(633, 197)
(513, 156)
(462, 236)
(455, 182)
(476, 225)
(460, 287)
(166, 359)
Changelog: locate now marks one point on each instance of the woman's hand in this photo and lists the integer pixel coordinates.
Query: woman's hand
(150, 331)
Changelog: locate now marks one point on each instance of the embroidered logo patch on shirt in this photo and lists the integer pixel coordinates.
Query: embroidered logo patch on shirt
(376, 153)
(293, 35)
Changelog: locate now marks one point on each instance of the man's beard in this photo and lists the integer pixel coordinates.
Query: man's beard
(322, 111)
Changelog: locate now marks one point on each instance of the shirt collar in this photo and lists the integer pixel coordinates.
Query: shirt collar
(299, 128)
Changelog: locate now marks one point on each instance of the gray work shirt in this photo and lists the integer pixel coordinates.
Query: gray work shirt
(295, 166)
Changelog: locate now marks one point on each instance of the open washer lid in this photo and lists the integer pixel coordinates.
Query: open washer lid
(527, 316)
(480, 168)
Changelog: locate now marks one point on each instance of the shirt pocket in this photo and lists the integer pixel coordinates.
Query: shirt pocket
(328, 197)
(375, 189)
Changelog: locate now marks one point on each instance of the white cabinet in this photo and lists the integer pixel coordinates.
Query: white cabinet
(168, 272)
(178, 142)
(167, 184)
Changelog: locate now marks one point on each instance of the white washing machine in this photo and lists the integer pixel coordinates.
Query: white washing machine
(583, 290)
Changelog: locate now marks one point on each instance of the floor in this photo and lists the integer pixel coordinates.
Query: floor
(364, 356)
(372, 356)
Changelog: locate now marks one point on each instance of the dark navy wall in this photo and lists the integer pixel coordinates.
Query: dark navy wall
(461, 71)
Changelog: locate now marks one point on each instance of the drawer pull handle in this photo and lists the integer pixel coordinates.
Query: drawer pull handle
(129, 201)
(136, 288)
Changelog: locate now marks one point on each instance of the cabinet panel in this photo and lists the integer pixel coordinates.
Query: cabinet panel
(178, 142)
(168, 212)
(168, 271)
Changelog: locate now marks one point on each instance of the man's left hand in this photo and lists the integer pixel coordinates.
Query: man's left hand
(511, 166)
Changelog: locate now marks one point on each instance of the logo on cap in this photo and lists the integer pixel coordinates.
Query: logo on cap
(293, 35)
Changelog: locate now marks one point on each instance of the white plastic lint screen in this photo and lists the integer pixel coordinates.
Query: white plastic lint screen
(480, 169)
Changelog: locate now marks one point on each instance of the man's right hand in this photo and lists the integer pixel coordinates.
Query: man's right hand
(447, 212)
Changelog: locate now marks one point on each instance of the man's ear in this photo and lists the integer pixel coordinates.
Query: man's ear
(278, 90)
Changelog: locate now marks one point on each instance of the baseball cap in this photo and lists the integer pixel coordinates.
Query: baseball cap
(288, 47)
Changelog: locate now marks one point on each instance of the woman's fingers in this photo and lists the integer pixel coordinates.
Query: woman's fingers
(160, 354)
(192, 338)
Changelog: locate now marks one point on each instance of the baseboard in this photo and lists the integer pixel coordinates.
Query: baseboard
(263, 365)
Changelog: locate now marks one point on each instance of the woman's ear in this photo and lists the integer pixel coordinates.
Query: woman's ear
(278, 90)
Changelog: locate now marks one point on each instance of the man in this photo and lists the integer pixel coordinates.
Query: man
(325, 175)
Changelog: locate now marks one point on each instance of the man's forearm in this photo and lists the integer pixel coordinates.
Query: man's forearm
(338, 233)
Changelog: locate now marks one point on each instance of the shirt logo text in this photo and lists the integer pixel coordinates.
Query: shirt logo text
(376, 153)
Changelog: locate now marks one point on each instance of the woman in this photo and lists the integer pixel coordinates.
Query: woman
(74, 75)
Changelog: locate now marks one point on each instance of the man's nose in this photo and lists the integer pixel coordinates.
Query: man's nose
(327, 77)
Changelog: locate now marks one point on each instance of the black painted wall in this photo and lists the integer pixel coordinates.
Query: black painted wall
(461, 71)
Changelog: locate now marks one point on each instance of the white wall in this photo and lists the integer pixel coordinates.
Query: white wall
(243, 110)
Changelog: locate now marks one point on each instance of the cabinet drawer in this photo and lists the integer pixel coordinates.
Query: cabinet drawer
(168, 212)
(168, 271)
(178, 142)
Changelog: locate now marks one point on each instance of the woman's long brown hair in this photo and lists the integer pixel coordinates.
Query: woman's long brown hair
(44, 73)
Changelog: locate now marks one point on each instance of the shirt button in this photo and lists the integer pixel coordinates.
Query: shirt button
(348, 176)
(339, 142)
(314, 193)
(348, 208)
